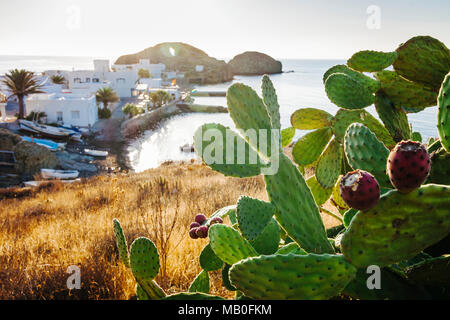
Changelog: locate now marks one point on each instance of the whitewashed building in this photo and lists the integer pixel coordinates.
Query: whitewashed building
(65, 108)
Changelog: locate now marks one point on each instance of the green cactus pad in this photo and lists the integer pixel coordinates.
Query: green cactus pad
(286, 136)
(249, 113)
(348, 216)
(152, 290)
(393, 287)
(253, 215)
(432, 272)
(310, 118)
(435, 146)
(141, 294)
(334, 231)
(321, 194)
(364, 151)
(416, 136)
(268, 240)
(192, 296)
(346, 92)
(241, 164)
(229, 245)
(200, 283)
(144, 259)
(370, 61)
(440, 167)
(297, 212)
(444, 113)
(292, 248)
(121, 242)
(226, 278)
(423, 59)
(271, 101)
(398, 227)
(336, 195)
(288, 277)
(395, 119)
(410, 96)
(344, 118)
(208, 259)
(329, 165)
(309, 147)
(365, 81)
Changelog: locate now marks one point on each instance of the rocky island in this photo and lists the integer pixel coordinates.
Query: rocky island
(254, 63)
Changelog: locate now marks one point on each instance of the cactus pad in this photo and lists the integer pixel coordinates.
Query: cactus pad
(365, 81)
(297, 212)
(440, 167)
(121, 242)
(253, 215)
(321, 194)
(398, 227)
(309, 147)
(310, 118)
(226, 278)
(407, 95)
(336, 196)
(395, 119)
(200, 283)
(292, 248)
(268, 240)
(364, 151)
(141, 294)
(288, 277)
(329, 165)
(370, 61)
(208, 259)
(271, 101)
(444, 113)
(286, 136)
(344, 118)
(433, 272)
(423, 59)
(239, 164)
(144, 259)
(228, 244)
(346, 92)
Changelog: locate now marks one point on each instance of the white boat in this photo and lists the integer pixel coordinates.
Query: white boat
(59, 174)
(38, 183)
(96, 153)
(48, 131)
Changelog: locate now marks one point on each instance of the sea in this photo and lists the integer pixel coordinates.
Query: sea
(300, 86)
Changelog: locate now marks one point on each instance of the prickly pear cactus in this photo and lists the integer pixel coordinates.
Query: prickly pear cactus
(121, 242)
(444, 113)
(348, 93)
(370, 61)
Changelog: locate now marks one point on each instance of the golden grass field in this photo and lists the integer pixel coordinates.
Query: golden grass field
(46, 230)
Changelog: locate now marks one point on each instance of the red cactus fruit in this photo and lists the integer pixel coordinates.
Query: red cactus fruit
(193, 233)
(216, 220)
(194, 225)
(200, 218)
(202, 232)
(360, 190)
(408, 165)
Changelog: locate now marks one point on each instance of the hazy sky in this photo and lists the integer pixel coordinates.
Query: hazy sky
(222, 28)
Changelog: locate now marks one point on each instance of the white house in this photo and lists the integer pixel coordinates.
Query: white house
(65, 108)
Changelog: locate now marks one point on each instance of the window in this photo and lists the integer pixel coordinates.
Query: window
(88, 80)
(75, 115)
(95, 80)
(77, 80)
(59, 116)
(120, 80)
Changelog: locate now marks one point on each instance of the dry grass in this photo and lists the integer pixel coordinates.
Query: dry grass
(44, 231)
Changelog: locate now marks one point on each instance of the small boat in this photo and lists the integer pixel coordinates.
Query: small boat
(188, 148)
(74, 133)
(96, 153)
(59, 174)
(44, 130)
(51, 145)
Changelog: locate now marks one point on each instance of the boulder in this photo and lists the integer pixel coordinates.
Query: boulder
(254, 63)
(178, 56)
(32, 157)
(8, 139)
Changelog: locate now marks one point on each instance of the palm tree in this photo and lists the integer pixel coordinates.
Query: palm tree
(57, 79)
(21, 83)
(106, 95)
(160, 97)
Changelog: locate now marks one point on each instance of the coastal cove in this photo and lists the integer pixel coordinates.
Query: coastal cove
(301, 87)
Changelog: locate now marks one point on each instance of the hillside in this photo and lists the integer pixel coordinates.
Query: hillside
(44, 231)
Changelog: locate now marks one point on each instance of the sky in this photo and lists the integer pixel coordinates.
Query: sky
(284, 29)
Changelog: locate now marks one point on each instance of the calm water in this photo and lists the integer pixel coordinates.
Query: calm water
(299, 89)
